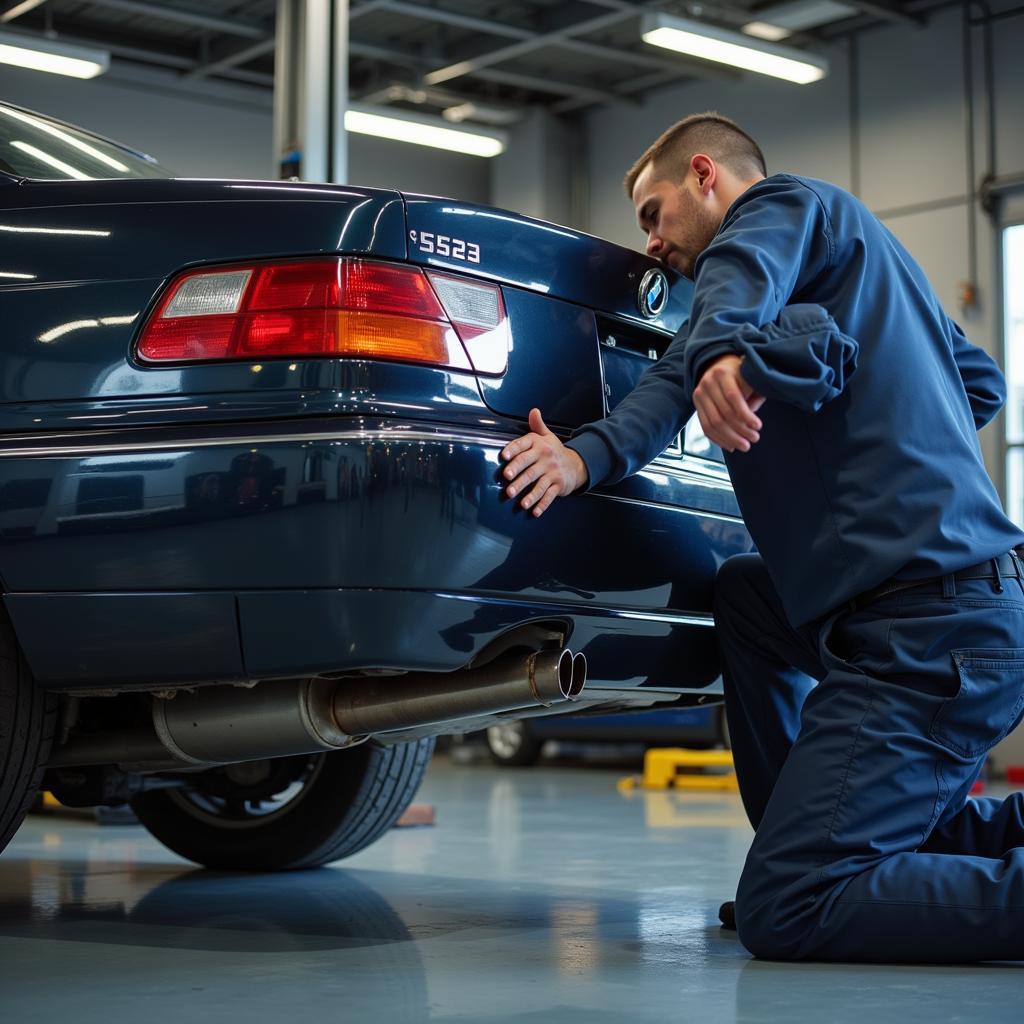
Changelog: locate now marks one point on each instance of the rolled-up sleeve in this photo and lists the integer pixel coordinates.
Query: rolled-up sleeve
(802, 358)
(774, 242)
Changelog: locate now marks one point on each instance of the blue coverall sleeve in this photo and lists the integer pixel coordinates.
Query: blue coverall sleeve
(775, 240)
(803, 358)
(984, 383)
(641, 426)
(774, 243)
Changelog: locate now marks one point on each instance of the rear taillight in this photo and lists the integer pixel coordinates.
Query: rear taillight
(328, 307)
(478, 312)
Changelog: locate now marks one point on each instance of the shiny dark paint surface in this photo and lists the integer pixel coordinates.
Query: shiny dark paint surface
(242, 520)
(545, 258)
(553, 362)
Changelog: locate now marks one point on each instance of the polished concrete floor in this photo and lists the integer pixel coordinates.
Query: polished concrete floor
(542, 895)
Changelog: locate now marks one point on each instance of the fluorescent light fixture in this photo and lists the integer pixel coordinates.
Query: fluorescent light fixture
(782, 20)
(708, 42)
(765, 30)
(19, 9)
(51, 55)
(422, 130)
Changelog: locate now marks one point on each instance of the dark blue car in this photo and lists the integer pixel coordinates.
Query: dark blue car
(254, 547)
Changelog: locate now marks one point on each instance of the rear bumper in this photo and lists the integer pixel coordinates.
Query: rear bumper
(126, 641)
(259, 550)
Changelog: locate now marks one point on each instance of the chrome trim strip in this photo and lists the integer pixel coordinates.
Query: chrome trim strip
(702, 513)
(248, 440)
(567, 608)
(36, 448)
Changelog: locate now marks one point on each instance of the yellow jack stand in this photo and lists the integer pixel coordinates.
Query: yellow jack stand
(673, 766)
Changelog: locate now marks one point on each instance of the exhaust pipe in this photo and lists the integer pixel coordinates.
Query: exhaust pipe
(424, 698)
(579, 676)
(225, 724)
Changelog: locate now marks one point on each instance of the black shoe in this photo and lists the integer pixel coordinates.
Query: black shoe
(727, 915)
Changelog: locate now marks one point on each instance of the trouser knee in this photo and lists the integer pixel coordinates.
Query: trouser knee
(764, 933)
(772, 923)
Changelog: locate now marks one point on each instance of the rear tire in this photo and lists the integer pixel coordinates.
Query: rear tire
(28, 719)
(324, 807)
(513, 744)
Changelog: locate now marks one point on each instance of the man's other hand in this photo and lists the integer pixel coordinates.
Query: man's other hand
(540, 458)
(726, 405)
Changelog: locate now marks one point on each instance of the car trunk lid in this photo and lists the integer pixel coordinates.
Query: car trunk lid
(576, 304)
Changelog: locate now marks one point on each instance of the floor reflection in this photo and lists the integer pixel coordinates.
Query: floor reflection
(541, 897)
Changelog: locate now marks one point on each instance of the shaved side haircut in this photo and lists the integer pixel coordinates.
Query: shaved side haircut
(720, 138)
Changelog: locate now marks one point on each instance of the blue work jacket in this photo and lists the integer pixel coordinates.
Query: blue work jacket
(868, 466)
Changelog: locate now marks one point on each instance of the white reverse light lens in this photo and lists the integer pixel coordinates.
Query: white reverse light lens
(708, 42)
(472, 304)
(208, 294)
(423, 133)
(52, 56)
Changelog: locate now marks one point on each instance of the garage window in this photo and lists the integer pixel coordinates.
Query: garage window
(1013, 293)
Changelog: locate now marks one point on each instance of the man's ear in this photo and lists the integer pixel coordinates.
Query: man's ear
(705, 170)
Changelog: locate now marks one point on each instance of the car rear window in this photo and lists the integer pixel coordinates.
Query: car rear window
(32, 146)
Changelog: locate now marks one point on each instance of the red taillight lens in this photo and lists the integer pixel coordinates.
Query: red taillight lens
(325, 307)
(296, 286)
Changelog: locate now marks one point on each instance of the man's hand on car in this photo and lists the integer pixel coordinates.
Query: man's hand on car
(726, 405)
(540, 458)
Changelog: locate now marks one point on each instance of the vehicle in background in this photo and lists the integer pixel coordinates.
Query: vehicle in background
(254, 544)
(521, 741)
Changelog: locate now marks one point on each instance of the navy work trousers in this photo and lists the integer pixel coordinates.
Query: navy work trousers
(866, 846)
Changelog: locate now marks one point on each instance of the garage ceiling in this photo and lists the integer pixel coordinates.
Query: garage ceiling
(566, 54)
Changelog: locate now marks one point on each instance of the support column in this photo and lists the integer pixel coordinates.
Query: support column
(311, 89)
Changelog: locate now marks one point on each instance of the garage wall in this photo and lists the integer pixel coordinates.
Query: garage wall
(220, 131)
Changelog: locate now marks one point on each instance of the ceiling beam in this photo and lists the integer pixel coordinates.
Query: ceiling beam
(563, 39)
(537, 42)
(542, 83)
(232, 60)
(408, 58)
(888, 12)
(367, 7)
(670, 66)
(229, 26)
(624, 92)
(444, 17)
(536, 83)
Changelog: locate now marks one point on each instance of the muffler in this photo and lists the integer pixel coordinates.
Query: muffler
(225, 724)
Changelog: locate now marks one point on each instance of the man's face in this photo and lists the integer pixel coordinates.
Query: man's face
(677, 217)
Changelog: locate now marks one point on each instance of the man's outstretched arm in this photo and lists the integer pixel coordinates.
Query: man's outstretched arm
(539, 458)
(541, 468)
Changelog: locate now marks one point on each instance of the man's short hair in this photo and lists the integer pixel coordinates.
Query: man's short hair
(720, 138)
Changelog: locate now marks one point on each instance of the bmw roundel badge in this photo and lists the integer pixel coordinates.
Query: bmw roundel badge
(653, 293)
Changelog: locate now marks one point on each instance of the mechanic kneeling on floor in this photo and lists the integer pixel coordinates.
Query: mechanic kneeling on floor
(818, 356)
